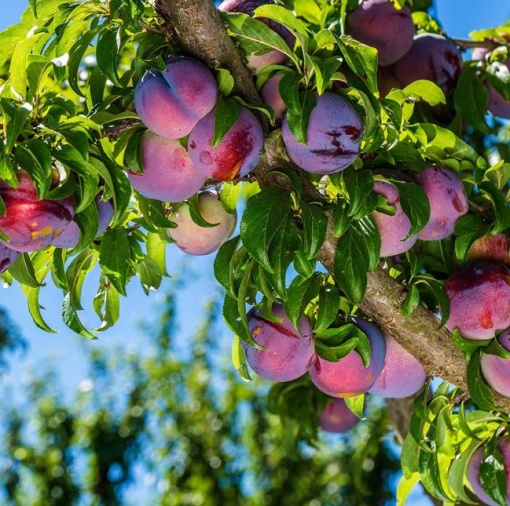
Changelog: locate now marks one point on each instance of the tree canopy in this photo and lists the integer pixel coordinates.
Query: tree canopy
(363, 136)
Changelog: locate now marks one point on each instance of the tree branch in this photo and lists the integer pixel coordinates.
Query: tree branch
(202, 34)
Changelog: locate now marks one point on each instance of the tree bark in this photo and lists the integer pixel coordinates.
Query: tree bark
(202, 34)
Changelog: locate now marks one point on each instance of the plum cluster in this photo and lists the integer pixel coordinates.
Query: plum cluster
(287, 354)
(178, 156)
(403, 56)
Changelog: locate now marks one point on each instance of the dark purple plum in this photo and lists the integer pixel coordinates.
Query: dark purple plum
(32, 224)
(168, 173)
(337, 417)
(348, 377)
(333, 136)
(378, 23)
(473, 471)
(432, 57)
(197, 240)
(448, 202)
(393, 229)
(288, 354)
(479, 296)
(172, 102)
(402, 374)
(235, 156)
(496, 370)
(7, 257)
(256, 61)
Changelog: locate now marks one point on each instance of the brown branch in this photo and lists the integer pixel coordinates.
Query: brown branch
(472, 44)
(202, 33)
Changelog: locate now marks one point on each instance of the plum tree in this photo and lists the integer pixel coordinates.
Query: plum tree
(432, 57)
(235, 156)
(334, 132)
(337, 417)
(30, 223)
(474, 471)
(479, 295)
(198, 240)
(171, 102)
(402, 375)
(348, 377)
(324, 233)
(286, 354)
(380, 24)
(448, 202)
(168, 173)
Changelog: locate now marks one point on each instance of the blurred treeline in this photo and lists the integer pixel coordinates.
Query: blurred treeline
(154, 428)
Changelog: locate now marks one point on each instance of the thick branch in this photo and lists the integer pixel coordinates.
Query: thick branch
(201, 33)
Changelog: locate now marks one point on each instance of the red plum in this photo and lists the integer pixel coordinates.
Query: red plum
(448, 202)
(171, 102)
(496, 370)
(378, 23)
(197, 240)
(348, 377)
(235, 156)
(168, 173)
(32, 224)
(479, 295)
(402, 374)
(334, 132)
(491, 247)
(288, 354)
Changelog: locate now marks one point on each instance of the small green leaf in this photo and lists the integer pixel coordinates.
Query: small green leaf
(480, 393)
(225, 82)
(149, 274)
(226, 114)
(299, 294)
(71, 319)
(239, 359)
(107, 53)
(356, 404)
(114, 256)
(427, 91)
(327, 308)
(415, 204)
(298, 121)
(315, 224)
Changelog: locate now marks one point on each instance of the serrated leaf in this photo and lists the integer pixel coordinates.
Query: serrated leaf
(149, 274)
(299, 294)
(76, 54)
(107, 53)
(427, 91)
(114, 257)
(415, 205)
(315, 224)
(359, 185)
(70, 317)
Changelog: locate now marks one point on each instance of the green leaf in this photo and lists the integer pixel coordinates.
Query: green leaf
(411, 301)
(71, 319)
(415, 204)
(225, 81)
(350, 267)
(458, 471)
(235, 322)
(226, 114)
(239, 359)
(327, 308)
(359, 185)
(356, 405)
(229, 195)
(480, 393)
(223, 264)
(76, 272)
(298, 121)
(106, 304)
(22, 270)
(15, 118)
(342, 217)
(76, 54)
(315, 224)
(427, 91)
(288, 87)
(492, 473)
(114, 257)
(156, 250)
(361, 59)
(471, 98)
(299, 294)
(35, 157)
(149, 274)
(107, 53)
(265, 213)
(501, 208)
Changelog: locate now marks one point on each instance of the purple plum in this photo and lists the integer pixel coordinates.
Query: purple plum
(288, 354)
(7, 257)
(402, 374)
(270, 95)
(491, 247)
(448, 202)
(333, 136)
(432, 57)
(473, 471)
(479, 296)
(496, 370)
(393, 229)
(337, 417)
(172, 102)
(378, 23)
(196, 240)
(235, 156)
(348, 377)
(168, 173)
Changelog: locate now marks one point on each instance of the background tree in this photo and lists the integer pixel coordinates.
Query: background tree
(76, 72)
